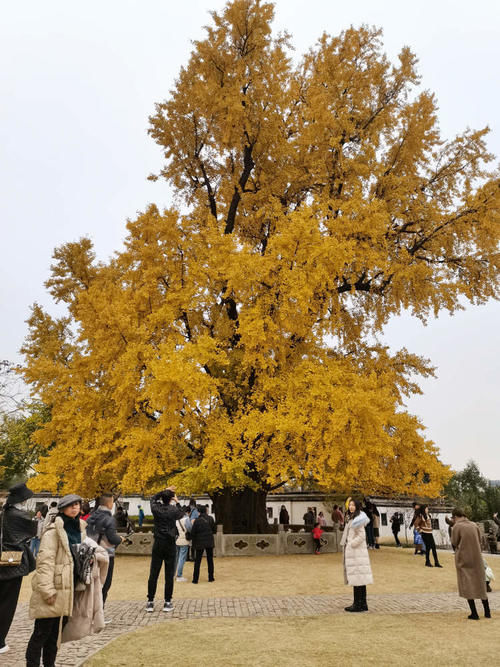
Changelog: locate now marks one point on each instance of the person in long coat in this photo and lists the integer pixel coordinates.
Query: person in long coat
(466, 539)
(53, 584)
(357, 568)
(17, 529)
(284, 516)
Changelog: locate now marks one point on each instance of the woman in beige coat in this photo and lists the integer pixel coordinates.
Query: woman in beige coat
(53, 583)
(466, 540)
(357, 569)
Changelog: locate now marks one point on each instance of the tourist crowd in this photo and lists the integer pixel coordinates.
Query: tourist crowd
(71, 547)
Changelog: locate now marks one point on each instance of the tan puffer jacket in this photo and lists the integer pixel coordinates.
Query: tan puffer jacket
(357, 568)
(54, 573)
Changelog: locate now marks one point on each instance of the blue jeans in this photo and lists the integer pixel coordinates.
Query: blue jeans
(182, 553)
(35, 546)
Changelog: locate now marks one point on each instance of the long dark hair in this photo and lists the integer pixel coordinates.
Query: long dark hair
(359, 506)
(421, 511)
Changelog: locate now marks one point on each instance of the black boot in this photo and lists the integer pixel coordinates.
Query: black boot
(486, 607)
(473, 615)
(356, 603)
(362, 599)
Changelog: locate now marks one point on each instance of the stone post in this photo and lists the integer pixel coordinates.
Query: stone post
(219, 540)
(281, 541)
(336, 534)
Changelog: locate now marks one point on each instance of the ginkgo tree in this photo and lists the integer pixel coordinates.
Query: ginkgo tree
(232, 346)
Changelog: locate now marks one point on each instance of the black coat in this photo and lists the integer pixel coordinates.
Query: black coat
(309, 518)
(165, 517)
(202, 532)
(101, 524)
(284, 517)
(396, 522)
(18, 529)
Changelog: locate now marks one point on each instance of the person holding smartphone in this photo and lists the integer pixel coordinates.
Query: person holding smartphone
(166, 512)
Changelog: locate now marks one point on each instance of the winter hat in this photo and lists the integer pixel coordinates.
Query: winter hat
(18, 494)
(68, 500)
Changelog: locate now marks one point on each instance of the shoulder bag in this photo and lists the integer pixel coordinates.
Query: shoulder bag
(187, 533)
(8, 558)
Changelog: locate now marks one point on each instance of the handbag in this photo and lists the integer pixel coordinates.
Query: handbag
(187, 533)
(8, 558)
(83, 558)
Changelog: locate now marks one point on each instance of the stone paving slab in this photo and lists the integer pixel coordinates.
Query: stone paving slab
(128, 616)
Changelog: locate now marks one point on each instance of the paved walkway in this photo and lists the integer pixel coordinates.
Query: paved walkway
(129, 616)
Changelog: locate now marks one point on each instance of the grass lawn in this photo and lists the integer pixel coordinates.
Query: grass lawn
(394, 570)
(320, 641)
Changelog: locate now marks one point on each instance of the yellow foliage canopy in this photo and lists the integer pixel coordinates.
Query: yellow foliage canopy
(231, 342)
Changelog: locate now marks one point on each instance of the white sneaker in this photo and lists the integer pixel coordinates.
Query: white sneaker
(150, 607)
(4, 649)
(181, 579)
(107, 621)
(168, 606)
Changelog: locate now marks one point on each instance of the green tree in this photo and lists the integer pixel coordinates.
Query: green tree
(473, 493)
(19, 452)
(492, 500)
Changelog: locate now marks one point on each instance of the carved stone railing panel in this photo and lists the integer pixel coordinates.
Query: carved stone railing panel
(141, 544)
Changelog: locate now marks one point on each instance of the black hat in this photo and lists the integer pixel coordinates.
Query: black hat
(68, 500)
(19, 493)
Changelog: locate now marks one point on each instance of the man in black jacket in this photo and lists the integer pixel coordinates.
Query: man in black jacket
(309, 518)
(166, 511)
(101, 527)
(202, 534)
(396, 521)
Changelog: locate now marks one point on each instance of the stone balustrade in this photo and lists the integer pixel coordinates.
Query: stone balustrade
(278, 544)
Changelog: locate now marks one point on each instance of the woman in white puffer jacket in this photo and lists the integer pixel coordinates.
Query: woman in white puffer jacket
(357, 568)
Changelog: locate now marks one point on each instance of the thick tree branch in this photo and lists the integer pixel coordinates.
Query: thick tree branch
(248, 165)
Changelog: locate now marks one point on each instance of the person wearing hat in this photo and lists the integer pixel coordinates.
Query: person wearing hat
(17, 530)
(53, 584)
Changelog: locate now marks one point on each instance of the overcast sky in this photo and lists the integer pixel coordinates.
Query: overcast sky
(78, 81)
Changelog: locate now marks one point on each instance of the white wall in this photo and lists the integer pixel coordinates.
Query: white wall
(296, 510)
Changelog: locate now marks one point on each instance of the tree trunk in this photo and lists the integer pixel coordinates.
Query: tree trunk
(241, 511)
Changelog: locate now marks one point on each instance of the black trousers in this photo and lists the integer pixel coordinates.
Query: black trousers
(197, 563)
(428, 539)
(398, 543)
(9, 595)
(164, 552)
(43, 641)
(109, 579)
(317, 543)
